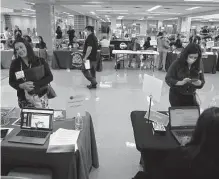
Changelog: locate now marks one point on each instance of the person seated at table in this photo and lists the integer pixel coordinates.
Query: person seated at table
(41, 44)
(178, 43)
(105, 42)
(30, 93)
(147, 43)
(29, 40)
(134, 46)
(199, 158)
(184, 76)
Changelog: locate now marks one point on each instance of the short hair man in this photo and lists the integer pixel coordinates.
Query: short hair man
(90, 53)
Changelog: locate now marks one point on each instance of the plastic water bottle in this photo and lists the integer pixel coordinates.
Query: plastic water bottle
(79, 122)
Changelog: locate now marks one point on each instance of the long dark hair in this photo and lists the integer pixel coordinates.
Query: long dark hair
(191, 49)
(42, 41)
(29, 40)
(30, 53)
(205, 137)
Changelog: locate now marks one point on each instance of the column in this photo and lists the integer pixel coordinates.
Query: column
(45, 24)
(179, 24)
(159, 25)
(143, 27)
(186, 26)
(113, 24)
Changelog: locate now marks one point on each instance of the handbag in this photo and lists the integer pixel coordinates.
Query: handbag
(50, 92)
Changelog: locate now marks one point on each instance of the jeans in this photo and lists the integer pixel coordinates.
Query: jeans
(177, 99)
(91, 73)
(162, 59)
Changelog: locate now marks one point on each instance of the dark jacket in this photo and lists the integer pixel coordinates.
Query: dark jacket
(147, 45)
(178, 71)
(16, 66)
(41, 45)
(180, 164)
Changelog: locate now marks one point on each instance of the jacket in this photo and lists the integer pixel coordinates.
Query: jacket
(177, 72)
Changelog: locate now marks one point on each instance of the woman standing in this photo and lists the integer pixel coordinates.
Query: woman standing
(32, 86)
(184, 76)
(58, 33)
(41, 44)
(162, 46)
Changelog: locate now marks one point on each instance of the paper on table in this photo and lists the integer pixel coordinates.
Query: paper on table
(152, 87)
(87, 64)
(158, 117)
(63, 140)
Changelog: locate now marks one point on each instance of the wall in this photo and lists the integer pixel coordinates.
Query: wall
(23, 22)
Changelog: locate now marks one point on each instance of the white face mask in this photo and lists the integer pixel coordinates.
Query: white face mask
(192, 58)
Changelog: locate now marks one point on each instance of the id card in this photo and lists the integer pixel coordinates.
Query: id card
(19, 75)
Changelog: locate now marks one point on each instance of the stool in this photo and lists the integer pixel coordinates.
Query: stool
(32, 173)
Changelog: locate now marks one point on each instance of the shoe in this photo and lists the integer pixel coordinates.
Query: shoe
(91, 86)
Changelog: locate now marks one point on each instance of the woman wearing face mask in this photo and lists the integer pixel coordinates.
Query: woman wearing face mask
(30, 93)
(184, 76)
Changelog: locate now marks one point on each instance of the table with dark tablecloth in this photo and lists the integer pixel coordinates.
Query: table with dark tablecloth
(62, 59)
(71, 165)
(209, 61)
(117, 43)
(153, 148)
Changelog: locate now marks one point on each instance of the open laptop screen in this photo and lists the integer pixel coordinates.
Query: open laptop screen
(184, 117)
(36, 119)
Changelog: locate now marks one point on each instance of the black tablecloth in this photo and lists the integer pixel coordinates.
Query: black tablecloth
(62, 59)
(153, 148)
(210, 63)
(72, 165)
(117, 43)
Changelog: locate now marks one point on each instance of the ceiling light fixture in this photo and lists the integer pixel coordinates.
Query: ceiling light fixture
(123, 13)
(29, 9)
(192, 8)
(153, 8)
(120, 17)
(66, 13)
(92, 12)
(112, 10)
(94, 2)
(71, 15)
(172, 13)
(25, 15)
(91, 5)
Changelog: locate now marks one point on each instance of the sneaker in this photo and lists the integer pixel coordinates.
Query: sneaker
(91, 86)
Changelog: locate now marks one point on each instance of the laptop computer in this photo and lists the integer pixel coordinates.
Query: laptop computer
(36, 126)
(183, 121)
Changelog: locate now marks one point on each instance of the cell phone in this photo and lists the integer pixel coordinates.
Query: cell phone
(194, 80)
(4, 133)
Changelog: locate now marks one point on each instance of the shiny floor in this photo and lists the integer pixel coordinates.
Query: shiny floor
(110, 105)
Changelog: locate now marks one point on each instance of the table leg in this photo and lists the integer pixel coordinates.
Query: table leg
(116, 61)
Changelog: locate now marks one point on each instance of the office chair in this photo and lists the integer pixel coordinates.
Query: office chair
(105, 52)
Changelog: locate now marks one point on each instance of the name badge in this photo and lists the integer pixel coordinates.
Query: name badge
(19, 75)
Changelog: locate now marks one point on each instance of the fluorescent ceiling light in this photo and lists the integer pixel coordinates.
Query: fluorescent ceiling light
(202, 0)
(175, 18)
(153, 8)
(94, 2)
(71, 15)
(150, 17)
(29, 9)
(25, 15)
(140, 13)
(123, 13)
(66, 13)
(173, 13)
(120, 17)
(97, 16)
(92, 12)
(33, 16)
(91, 5)
(192, 8)
(112, 10)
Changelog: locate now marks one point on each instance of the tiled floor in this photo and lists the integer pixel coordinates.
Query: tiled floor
(110, 105)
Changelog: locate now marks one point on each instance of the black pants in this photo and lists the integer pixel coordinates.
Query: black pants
(91, 73)
(178, 99)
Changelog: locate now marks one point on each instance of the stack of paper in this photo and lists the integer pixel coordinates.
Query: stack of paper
(63, 140)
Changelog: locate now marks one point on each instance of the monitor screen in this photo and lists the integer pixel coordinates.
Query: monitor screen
(36, 119)
(184, 117)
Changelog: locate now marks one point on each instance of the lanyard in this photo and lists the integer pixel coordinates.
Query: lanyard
(22, 70)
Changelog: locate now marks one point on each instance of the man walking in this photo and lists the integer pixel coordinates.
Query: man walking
(90, 53)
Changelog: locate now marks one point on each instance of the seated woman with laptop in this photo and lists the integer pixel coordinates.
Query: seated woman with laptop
(199, 158)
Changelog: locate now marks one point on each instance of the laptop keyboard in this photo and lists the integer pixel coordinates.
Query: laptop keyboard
(36, 134)
(184, 133)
